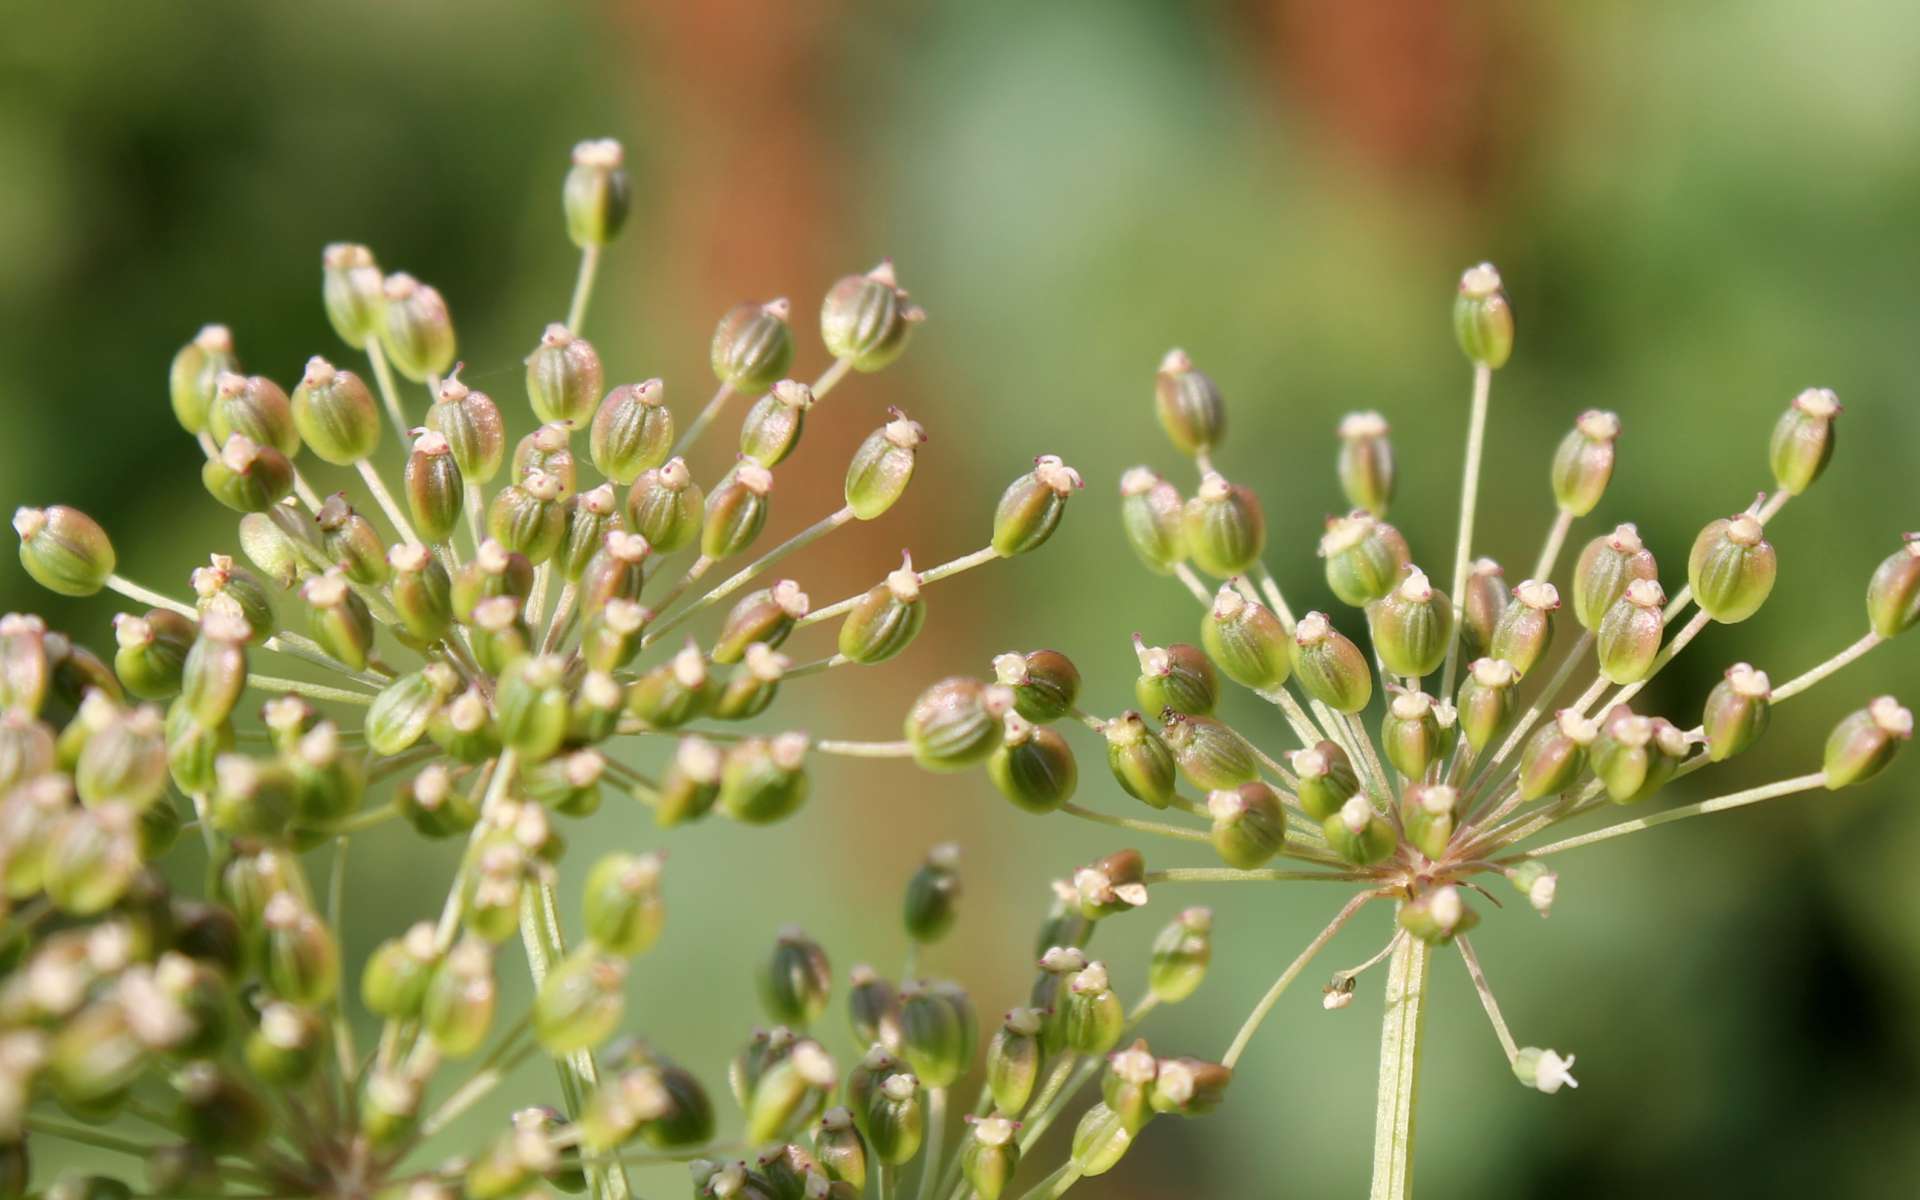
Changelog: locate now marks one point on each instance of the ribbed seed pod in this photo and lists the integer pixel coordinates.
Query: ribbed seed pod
(894, 1119)
(500, 633)
(432, 804)
(251, 797)
(64, 549)
(1013, 1060)
(1033, 766)
(1628, 639)
(750, 689)
(299, 962)
(1093, 1016)
(350, 542)
(667, 507)
(1327, 779)
(193, 746)
(1044, 683)
(470, 421)
(1189, 404)
(1179, 677)
(528, 518)
(399, 714)
(415, 328)
(839, 1148)
(435, 490)
(866, 319)
(885, 620)
(1249, 826)
(1030, 508)
(1893, 594)
(1100, 1140)
(1111, 885)
(1358, 834)
(152, 652)
(690, 784)
(1189, 1087)
(1634, 755)
(1224, 527)
(674, 692)
(398, 973)
(753, 346)
(597, 192)
(1484, 598)
(1732, 568)
(873, 1008)
(796, 981)
(222, 584)
(1126, 1086)
(1246, 640)
(1210, 755)
(421, 592)
(215, 672)
(286, 1046)
(274, 549)
(564, 378)
(1181, 954)
(881, 467)
(989, 1156)
(494, 571)
(1364, 557)
(334, 414)
(1605, 568)
(1487, 700)
(458, 1004)
(1525, 630)
(1152, 516)
(531, 703)
(254, 407)
(247, 477)
(190, 378)
(773, 425)
(1555, 755)
(956, 723)
(1802, 442)
(1329, 667)
(338, 619)
(593, 716)
(1736, 712)
(580, 1001)
(736, 512)
(764, 617)
(1428, 813)
(1482, 319)
(1412, 626)
(1410, 734)
(763, 781)
(350, 291)
(1537, 882)
(933, 895)
(1437, 916)
(124, 761)
(589, 517)
(632, 431)
(938, 1031)
(1365, 465)
(1583, 463)
(1864, 742)
(548, 449)
(1140, 759)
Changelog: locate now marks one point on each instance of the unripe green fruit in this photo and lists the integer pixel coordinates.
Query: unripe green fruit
(597, 193)
(1246, 640)
(1412, 626)
(1030, 508)
(867, 319)
(1732, 568)
(1189, 404)
(1152, 515)
(1224, 527)
(1802, 442)
(1249, 826)
(1583, 464)
(1365, 465)
(1482, 319)
(880, 469)
(335, 414)
(415, 328)
(1737, 711)
(1864, 742)
(1044, 683)
(753, 346)
(1329, 667)
(632, 431)
(1364, 557)
(64, 549)
(1140, 760)
(1033, 767)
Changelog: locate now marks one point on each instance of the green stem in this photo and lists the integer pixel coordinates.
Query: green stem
(387, 503)
(1252, 1024)
(583, 287)
(1236, 875)
(313, 691)
(1550, 553)
(705, 419)
(1754, 795)
(1154, 827)
(389, 396)
(1399, 1070)
(1469, 500)
(936, 1135)
(1802, 682)
(147, 596)
(733, 583)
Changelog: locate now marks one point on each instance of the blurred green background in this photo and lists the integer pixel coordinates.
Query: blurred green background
(1699, 209)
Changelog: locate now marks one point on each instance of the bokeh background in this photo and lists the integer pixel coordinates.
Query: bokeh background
(1699, 209)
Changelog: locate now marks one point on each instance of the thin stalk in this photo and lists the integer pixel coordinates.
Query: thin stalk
(1270, 588)
(1674, 646)
(700, 423)
(583, 287)
(865, 749)
(1184, 574)
(313, 691)
(1053, 1092)
(1550, 552)
(87, 1137)
(1469, 501)
(336, 902)
(1800, 683)
(1545, 698)
(305, 492)
(830, 378)
(476, 513)
(1400, 1033)
(816, 666)
(936, 1137)
(383, 381)
(1251, 875)
(966, 562)
(387, 503)
(738, 579)
(1063, 1177)
(1251, 1025)
(1487, 1001)
(1137, 826)
(152, 599)
(1753, 795)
